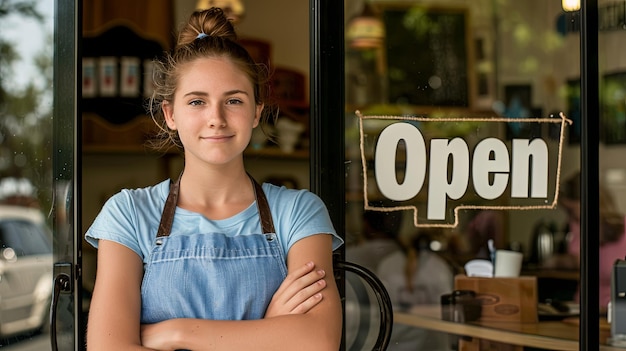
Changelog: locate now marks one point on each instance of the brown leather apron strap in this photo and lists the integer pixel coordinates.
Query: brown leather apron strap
(167, 216)
(267, 224)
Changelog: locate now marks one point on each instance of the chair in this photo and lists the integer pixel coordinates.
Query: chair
(368, 317)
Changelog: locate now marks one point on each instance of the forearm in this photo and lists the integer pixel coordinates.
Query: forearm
(116, 303)
(289, 332)
(111, 328)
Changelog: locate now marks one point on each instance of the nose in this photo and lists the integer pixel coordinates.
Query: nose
(216, 117)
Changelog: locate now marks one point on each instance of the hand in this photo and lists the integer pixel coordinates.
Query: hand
(299, 292)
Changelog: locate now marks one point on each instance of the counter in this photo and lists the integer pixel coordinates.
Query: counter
(552, 335)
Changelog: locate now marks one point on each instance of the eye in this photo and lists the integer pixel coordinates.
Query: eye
(233, 101)
(196, 102)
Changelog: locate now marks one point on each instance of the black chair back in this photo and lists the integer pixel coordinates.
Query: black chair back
(366, 302)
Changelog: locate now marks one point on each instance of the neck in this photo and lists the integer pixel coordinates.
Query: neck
(216, 194)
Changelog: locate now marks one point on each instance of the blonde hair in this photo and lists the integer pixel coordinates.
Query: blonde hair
(206, 34)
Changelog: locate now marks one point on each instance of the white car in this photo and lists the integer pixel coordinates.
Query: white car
(25, 270)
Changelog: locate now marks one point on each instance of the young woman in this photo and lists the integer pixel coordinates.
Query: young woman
(213, 261)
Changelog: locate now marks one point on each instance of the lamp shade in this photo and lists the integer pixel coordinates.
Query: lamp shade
(570, 5)
(366, 30)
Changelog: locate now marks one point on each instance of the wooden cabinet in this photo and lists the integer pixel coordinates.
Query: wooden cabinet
(154, 18)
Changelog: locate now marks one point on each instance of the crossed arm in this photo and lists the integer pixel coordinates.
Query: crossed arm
(304, 314)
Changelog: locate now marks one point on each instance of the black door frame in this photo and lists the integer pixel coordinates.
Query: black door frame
(327, 106)
(589, 161)
(67, 318)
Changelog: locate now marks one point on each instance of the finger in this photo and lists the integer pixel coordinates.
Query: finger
(306, 292)
(312, 291)
(308, 304)
(297, 280)
(301, 289)
(302, 284)
(295, 275)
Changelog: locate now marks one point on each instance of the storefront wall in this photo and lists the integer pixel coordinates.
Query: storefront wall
(488, 68)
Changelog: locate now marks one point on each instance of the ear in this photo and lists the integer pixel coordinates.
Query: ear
(168, 113)
(257, 115)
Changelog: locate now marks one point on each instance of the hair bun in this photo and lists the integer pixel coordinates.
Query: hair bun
(207, 23)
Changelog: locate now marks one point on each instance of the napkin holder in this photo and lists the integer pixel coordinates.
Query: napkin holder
(503, 299)
(618, 301)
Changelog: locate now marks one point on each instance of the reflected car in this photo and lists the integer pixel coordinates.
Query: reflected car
(25, 271)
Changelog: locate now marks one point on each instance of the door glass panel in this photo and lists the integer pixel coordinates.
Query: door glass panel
(26, 200)
(461, 77)
(612, 194)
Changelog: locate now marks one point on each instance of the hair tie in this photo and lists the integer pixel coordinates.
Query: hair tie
(201, 35)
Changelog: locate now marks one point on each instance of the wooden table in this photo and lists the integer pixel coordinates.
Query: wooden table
(551, 335)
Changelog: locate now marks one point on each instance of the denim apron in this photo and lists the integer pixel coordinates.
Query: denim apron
(211, 275)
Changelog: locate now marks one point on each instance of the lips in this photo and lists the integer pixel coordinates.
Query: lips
(217, 137)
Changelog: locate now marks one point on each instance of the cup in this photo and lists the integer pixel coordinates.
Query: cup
(508, 263)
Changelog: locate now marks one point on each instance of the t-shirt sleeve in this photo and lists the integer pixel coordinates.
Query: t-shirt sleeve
(303, 214)
(116, 222)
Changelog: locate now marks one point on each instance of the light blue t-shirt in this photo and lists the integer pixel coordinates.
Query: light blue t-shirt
(131, 218)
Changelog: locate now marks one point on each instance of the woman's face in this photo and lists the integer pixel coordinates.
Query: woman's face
(214, 111)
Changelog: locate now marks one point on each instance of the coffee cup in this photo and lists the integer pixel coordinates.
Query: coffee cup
(508, 263)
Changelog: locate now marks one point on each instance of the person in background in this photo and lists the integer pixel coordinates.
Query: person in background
(380, 238)
(611, 232)
(214, 260)
(417, 276)
(484, 226)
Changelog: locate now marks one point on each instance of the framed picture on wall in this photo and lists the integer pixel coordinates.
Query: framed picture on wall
(613, 108)
(483, 43)
(427, 56)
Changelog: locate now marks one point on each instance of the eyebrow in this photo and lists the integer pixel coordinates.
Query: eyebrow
(230, 92)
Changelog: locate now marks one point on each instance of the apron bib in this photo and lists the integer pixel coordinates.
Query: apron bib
(211, 275)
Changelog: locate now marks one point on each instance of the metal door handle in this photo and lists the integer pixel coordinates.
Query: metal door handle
(62, 285)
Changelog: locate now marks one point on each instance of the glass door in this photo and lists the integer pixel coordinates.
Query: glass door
(427, 87)
(37, 164)
(608, 72)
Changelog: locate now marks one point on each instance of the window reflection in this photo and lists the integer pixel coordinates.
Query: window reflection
(25, 172)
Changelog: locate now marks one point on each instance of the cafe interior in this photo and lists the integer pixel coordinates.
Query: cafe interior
(485, 227)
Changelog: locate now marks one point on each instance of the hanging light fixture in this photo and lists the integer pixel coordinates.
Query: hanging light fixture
(570, 5)
(233, 9)
(366, 31)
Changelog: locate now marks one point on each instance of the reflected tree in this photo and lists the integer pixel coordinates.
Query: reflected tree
(25, 110)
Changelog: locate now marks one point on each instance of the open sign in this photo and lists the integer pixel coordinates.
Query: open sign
(406, 165)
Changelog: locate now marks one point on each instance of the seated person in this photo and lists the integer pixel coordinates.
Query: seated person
(611, 232)
(380, 238)
(416, 276)
(485, 225)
